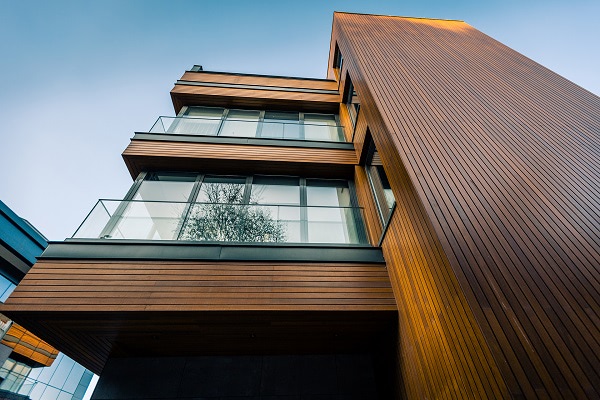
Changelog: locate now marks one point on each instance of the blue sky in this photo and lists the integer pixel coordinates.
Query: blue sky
(77, 78)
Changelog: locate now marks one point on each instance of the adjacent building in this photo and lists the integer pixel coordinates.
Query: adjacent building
(29, 367)
(424, 223)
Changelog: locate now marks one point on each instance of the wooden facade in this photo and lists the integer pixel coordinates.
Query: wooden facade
(491, 252)
(202, 88)
(149, 155)
(98, 308)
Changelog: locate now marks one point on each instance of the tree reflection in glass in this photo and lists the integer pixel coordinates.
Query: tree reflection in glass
(223, 216)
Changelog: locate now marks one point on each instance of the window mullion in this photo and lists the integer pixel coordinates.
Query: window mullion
(303, 212)
(301, 133)
(190, 204)
(259, 126)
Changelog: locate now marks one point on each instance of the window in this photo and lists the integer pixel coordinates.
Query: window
(281, 124)
(198, 121)
(352, 101)
(259, 208)
(241, 123)
(338, 62)
(215, 121)
(156, 209)
(322, 127)
(379, 183)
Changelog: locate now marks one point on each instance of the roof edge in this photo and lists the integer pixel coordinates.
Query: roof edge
(397, 16)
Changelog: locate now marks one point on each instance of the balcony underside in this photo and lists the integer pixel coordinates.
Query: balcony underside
(95, 309)
(91, 338)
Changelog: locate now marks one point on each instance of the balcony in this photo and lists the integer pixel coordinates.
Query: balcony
(249, 128)
(223, 222)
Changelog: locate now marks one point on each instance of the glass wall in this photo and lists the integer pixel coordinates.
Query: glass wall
(63, 380)
(157, 209)
(202, 121)
(210, 121)
(257, 208)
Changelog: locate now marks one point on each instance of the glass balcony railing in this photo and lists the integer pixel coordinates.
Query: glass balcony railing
(248, 128)
(222, 222)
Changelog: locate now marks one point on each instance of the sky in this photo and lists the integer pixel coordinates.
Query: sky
(78, 78)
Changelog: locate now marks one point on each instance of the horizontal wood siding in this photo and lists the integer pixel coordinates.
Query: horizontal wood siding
(260, 80)
(151, 155)
(494, 162)
(84, 303)
(259, 98)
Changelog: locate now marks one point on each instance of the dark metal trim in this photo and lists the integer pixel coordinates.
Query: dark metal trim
(256, 87)
(177, 137)
(386, 225)
(114, 249)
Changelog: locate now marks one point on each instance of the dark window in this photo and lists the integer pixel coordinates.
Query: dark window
(352, 101)
(379, 183)
(338, 62)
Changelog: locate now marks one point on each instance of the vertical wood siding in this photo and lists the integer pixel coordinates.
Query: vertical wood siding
(493, 160)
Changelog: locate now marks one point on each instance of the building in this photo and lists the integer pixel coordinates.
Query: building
(424, 223)
(29, 367)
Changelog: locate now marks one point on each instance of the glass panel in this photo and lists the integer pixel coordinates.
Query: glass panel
(327, 193)
(241, 123)
(74, 378)
(281, 124)
(289, 219)
(149, 220)
(274, 190)
(50, 393)
(64, 396)
(61, 372)
(6, 288)
(204, 112)
(169, 187)
(97, 219)
(321, 127)
(197, 121)
(329, 225)
(35, 373)
(36, 391)
(236, 223)
(47, 372)
(222, 189)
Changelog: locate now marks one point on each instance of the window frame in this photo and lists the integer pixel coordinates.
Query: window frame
(350, 94)
(384, 208)
(303, 184)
